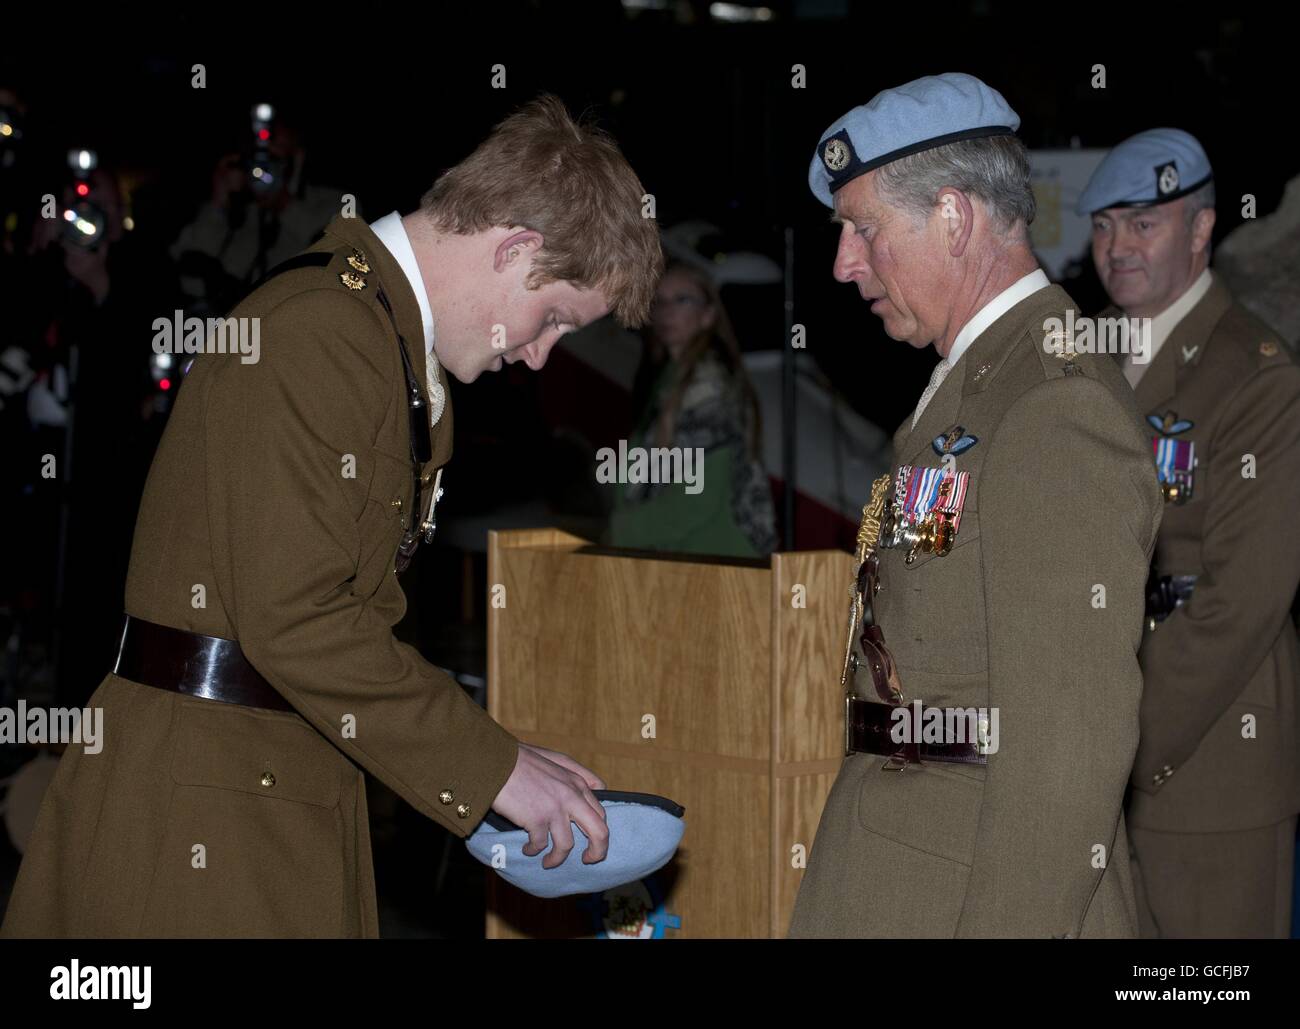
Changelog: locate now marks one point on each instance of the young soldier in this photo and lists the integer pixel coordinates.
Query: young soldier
(258, 678)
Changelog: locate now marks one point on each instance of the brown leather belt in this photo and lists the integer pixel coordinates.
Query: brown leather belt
(206, 667)
(870, 726)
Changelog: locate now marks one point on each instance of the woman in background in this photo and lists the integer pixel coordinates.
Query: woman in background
(698, 397)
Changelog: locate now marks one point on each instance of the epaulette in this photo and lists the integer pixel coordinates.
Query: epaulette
(1059, 355)
(1272, 352)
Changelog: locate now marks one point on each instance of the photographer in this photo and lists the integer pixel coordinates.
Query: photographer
(93, 404)
(262, 210)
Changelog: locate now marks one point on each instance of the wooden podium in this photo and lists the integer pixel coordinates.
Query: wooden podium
(712, 681)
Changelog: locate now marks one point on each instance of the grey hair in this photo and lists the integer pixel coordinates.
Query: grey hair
(995, 169)
(1197, 201)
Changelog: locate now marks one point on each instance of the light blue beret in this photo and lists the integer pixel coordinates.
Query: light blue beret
(1152, 167)
(644, 831)
(907, 119)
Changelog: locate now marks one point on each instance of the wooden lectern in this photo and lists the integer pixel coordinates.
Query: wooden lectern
(711, 681)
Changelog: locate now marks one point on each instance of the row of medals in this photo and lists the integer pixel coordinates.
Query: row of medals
(885, 526)
(932, 534)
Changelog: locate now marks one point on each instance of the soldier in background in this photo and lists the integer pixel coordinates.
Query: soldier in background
(258, 678)
(1216, 784)
(263, 209)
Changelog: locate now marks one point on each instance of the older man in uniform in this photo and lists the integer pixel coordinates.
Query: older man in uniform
(1216, 785)
(258, 678)
(1000, 590)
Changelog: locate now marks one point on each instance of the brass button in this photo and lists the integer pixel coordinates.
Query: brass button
(397, 503)
(426, 478)
(446, 797)
(268, 779)
(462, 810)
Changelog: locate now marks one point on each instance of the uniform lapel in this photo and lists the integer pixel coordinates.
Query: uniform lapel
(976, 369)
(939, 413)
(406, 310)
(1183, 350)
(1110, 314)
(1158, 382)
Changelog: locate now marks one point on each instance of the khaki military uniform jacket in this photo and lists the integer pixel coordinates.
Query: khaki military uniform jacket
(272, 514)
(1062, 504)
(1229, 652)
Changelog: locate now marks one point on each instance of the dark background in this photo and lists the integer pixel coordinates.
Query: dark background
(389, 94)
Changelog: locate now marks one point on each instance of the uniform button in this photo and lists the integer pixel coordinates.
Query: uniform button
(462, 810)
(268, 779)
(446, 797)
(397, 503)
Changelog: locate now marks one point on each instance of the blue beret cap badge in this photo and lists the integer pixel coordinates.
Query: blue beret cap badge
(836, 154)
(1166, 179)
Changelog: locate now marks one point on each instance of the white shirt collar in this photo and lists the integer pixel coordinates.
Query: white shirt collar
(1025, 286)
(392, 233)
(1163, 324)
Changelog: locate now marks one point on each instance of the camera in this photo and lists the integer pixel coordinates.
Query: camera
(83, 221)
(266, 172)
